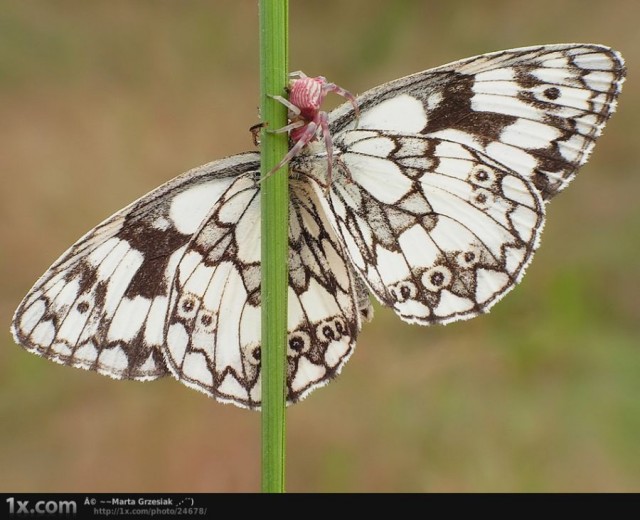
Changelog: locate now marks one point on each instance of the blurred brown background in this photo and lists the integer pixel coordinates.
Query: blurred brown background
(101, 101)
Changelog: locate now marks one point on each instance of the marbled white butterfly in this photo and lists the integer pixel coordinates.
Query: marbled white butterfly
(436, 204)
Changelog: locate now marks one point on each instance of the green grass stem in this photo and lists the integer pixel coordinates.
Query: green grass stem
(275, 252)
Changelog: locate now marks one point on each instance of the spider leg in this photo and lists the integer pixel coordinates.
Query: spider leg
(332, 87)
(306, 137)
(290, 126)
(298, 74)
(293, 108)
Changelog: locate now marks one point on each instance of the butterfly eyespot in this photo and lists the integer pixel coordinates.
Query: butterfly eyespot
(482, 176)
(436, 278)
(206, 319)
(82, 307)
(251, 354)
(299, 343)
(467, 259)
(331, 330)
(551, 93)
(255, 355)
(482, 198)
(187, 307)
(548, 95)
(328, 332)
(403, 291)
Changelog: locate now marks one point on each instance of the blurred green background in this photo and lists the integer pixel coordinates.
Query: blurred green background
(101, 101)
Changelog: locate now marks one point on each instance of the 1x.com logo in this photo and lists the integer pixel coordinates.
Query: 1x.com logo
(52, 507)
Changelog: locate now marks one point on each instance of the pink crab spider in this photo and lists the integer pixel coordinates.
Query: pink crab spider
(307, 120)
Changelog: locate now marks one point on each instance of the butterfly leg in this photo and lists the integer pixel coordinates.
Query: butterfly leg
(323, 122)
(343, 167)
(255, 133)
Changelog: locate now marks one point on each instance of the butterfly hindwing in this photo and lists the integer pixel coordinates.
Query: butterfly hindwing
(439, 231)
(212, 331)
(327, 302)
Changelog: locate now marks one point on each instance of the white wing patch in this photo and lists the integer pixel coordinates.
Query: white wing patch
(402, 113)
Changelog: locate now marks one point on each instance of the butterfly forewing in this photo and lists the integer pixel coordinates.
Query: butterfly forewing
(537, 110)
(102, 305)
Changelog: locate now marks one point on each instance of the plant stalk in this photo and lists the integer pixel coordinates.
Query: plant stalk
(275, 245)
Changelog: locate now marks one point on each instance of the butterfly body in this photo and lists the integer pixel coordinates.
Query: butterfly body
(433, 200)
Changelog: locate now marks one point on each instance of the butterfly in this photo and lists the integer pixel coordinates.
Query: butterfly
(435, 206)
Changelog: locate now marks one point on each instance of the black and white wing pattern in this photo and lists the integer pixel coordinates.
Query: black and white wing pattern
(436, 205)
(441, 185)
(171, 284)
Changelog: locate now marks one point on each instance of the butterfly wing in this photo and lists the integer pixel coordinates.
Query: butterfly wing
(439, 238)
(102, 305)
(171, 284)
(213, 332)
(441, 199)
